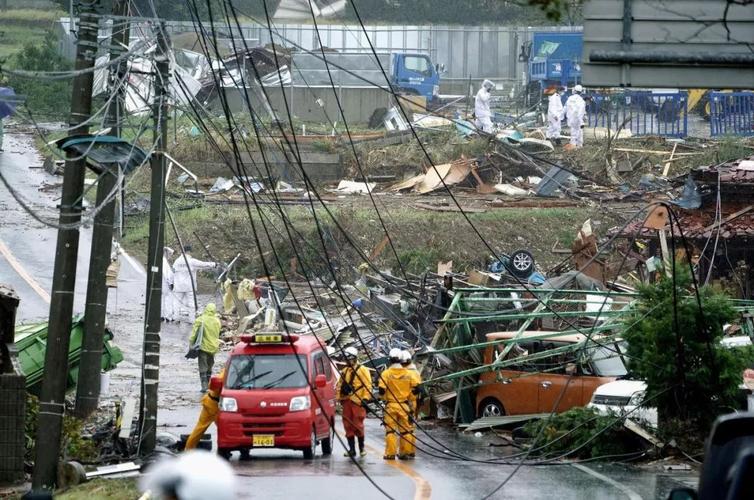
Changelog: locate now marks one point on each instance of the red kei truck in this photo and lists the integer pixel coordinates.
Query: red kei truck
(278, 392)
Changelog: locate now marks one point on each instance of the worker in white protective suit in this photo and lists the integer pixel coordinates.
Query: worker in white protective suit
(482, 107)
(576, 115)
(168, 302)
(184, 282)
(554, 116)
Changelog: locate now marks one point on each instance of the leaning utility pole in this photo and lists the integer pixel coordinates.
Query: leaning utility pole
(52, 398)
(151, 349)
(88, 387)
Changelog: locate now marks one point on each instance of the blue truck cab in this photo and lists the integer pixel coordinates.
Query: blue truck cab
(555, 58)
(415, 74)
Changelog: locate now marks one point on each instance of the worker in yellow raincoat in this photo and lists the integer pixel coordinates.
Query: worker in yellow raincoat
(206, 333)
(408, 439)
(210, 410)
(396, 387)
(229, 305)
(354, 390)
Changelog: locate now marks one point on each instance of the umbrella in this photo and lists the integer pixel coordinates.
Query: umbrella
(8, 101)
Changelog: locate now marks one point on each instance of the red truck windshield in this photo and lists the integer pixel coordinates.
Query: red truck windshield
(266, 371)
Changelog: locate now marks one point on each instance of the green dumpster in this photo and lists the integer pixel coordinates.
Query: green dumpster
(31, 343)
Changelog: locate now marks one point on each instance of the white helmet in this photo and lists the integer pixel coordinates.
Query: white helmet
(405, 357)
(394, 353)
(351, 352)
(578, 88)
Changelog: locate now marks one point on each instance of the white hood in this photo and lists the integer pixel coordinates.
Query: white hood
(621, 388)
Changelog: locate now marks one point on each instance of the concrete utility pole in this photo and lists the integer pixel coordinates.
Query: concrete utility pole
(52, 399)
(88, 387)
(151, 359)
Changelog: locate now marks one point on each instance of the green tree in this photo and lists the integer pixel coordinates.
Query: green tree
(48, 98)
(675, 347)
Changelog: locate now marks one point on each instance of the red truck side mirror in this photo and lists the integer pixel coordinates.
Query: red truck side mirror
(320, 381)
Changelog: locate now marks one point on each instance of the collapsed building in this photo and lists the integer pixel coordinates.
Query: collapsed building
(716, 231)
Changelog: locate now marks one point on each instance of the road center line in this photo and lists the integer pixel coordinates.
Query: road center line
(631, 494)
(16, 265)
(422, 488)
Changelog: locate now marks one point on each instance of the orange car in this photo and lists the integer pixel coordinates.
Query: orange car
(534, 386)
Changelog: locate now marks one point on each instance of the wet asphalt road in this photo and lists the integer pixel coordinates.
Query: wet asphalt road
(27, 251)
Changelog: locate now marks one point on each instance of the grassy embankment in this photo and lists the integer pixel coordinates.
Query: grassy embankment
(421, 238)
(111, 489)
(21, 26)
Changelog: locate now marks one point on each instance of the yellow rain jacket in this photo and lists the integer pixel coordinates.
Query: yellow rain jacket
(360, 380)
(229, 306)
(246, 290)
(211, 333)
(210, 410)
(397, 384)
(396, 388)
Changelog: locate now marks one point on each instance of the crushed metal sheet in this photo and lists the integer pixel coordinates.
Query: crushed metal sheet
(511, 190)
(443, 175)
(353, 187)
(490, 422)
(430, 121)
(436, 177)
(221, 185)
(408, 183)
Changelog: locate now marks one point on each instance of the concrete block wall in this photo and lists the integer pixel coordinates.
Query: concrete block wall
(12, 441)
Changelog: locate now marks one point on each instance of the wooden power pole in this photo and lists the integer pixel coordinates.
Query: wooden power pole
(52, 398)
(88, 387)
(151, 349)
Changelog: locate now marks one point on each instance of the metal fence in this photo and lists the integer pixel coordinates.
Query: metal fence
(643, 113)
(731, 113)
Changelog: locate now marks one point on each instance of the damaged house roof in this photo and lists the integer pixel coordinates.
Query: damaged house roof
(736, 220)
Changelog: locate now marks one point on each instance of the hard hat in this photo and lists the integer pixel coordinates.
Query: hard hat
(405, 356)
(578, 88)
(169, 251)
(351, 352)
(394, 353)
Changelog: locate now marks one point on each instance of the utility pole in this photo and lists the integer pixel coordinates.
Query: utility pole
(151, 349)
(52, 399)
(88, 387)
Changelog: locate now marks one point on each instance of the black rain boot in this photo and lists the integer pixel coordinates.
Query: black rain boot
(351, 447)
(362, 448)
